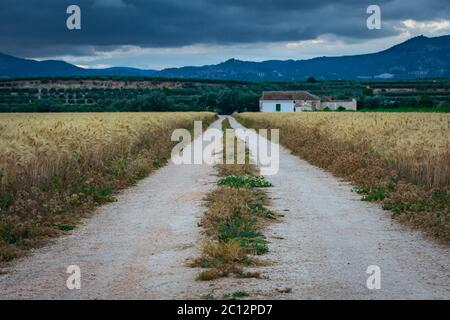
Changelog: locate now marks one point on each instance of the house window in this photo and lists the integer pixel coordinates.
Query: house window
(278, 107)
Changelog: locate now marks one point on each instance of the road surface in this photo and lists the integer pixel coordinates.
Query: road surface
(136, 248)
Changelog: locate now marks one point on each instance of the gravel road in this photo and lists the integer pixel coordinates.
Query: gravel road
(136, 248)
(330, 238)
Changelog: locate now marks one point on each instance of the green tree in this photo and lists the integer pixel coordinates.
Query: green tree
(48, 105)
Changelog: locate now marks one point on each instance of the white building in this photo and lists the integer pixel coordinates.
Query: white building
(288, 101)
(298, 101)
(331, 104)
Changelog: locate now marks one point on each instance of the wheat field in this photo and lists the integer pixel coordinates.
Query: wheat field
(418, 143)
(54, 166)
(399, 159)
(38, 146)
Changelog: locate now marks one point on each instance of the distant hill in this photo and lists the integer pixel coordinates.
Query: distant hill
(17, 67)
(419, 57)
(416, 58)
(123, 71)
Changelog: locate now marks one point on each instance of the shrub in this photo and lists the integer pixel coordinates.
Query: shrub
(247, 181)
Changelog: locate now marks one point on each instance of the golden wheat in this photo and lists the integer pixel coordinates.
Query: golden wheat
(53, 167)
(418, 143)
(39, 146)
(401, 160)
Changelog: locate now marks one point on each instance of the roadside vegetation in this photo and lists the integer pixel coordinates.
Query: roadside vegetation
(400, 160)
(140, 94)
(236, 295)
(54, 168)
(234, 221)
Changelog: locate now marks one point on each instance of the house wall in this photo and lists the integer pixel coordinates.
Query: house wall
(307, 105)
(270, 105)
(302, 109)
(333, 105)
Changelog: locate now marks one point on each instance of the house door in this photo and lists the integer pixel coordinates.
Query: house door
(278, 107)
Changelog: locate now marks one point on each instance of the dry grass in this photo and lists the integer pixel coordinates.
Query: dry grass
(233, 227)
(54, 167)
(226, 202)
(234, 169)
(401, 160)
(234, 222)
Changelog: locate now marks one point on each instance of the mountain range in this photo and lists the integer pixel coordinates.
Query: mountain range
(418, 57)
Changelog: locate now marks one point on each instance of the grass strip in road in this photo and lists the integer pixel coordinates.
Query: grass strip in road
(233, 223)
(247, 181)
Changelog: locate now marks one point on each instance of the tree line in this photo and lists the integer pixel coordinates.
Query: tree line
(224, 97)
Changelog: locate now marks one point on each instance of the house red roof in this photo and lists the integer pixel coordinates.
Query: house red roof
(288, 95)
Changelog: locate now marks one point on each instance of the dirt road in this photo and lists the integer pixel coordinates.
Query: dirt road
(330, 237)
(133, 248)
(137, 246)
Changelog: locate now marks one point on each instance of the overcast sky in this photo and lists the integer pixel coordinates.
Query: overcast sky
(155, 34)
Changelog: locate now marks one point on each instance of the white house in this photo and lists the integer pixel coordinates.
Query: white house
(288, 101)
(298, 101)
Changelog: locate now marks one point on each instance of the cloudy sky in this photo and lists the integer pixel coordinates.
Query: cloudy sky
(155, 34)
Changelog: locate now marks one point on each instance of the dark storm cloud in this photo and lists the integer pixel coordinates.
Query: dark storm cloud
(37, 28)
